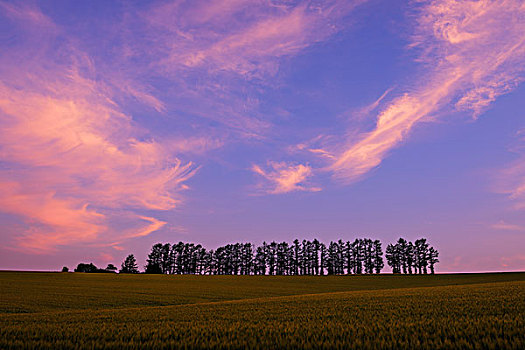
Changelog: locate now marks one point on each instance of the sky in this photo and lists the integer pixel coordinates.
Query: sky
(127, 123)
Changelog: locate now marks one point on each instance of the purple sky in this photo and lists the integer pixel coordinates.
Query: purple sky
(127, 123)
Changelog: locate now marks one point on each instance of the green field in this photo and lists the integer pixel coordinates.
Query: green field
(73, 310)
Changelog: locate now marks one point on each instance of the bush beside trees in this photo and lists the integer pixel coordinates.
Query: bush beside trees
(91, 268)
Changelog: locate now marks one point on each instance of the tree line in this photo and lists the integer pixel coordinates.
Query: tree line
(361, 256)
(408, 257)
(92, 268)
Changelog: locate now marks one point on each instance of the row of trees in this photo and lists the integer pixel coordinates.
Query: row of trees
(408, 257)
(275, 258)
(92, 268)
(298, 258)
(280, 258)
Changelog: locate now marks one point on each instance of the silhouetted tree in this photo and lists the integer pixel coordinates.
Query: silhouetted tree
(407, 257)
(432, 258)
(296, 249)
(65, 269)
(260, 261)
(362, 255)
(165, 258)
(270, 257)
(402, 249)
(86, 268)
(368, 255)
(378, 257)
(323, 256)
(409, 253)
(129, 265)
(111, 268)
(421, 254)
(393, 258)
(357, 248)
(154, 261)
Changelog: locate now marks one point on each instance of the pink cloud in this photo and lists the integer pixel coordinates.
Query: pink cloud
(284, 178)
(513, 262)
(472, 51)
(218, 55)
(27, 13)
(152, 227)
(106, 258)
(73, 162)
(73, 155)
(511, 179)
(245, 37)
(53, 221)
(254, 48)
(502, 225)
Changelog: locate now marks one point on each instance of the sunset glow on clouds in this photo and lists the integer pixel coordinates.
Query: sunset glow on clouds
(69, 157)
(286, 178)
(511, 179)
(124, 125)
(472, 52)
(244, 37)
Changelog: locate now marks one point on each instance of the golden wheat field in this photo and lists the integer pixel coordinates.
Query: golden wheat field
(101, 311)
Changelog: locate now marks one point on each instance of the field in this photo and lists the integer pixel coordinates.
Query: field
(72, 310)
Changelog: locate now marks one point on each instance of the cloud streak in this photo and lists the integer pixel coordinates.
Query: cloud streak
(68, 159)
(219, 56)
(283, 178)
(515, 183)
(471, 51)
(502, 225)
(244, 37)
(73, 162)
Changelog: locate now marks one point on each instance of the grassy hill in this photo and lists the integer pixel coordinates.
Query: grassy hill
(50, 310)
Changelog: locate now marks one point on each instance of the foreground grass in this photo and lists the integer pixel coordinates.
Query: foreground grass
(444, 311)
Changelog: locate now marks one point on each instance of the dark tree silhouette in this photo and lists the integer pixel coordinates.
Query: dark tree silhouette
(432, 258)
(393, 258)
(129, 265)
(402, 247)
(378, 257)
(65, 269)
(362, 255)
(260, 261)
(82, 267)
(111, 268)
(409, 252)
(407, 257)
(154, 261)
(421, 254)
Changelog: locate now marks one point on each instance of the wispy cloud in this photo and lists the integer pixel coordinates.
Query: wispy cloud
(503, 225)
(68, 157)
(283, 178)
(152, 227)
(218, 56)
(472, 52)
(28, 13)
(514, 261)
(510, 180)
(244, 37)
(72, 160)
